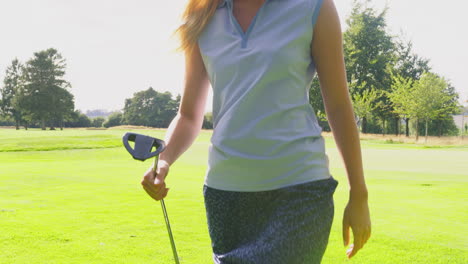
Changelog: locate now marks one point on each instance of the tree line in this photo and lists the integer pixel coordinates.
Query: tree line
(35, 94)
(389, 83)
(150, 108)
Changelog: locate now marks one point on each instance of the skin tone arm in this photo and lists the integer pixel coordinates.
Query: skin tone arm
(327, 52)
(185, 127)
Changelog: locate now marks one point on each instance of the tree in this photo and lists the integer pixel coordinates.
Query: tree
(316, 101)
(410, 67)
(401, 97)
(368, 50)
(11, 85)
(62, 107)
(78, 119)
(208, 121)
(408, 64)
(150, 108)
(434, 98)
(6, 121)
(445, 119)
(363, 104)
(44, 95)
(429, 98)
(97, 121)
(114, 119)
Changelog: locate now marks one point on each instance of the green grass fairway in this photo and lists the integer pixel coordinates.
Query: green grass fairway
(74, 196)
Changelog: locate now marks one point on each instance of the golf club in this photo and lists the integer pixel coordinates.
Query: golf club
(142, 150)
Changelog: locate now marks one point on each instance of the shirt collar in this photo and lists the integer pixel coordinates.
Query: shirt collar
(223, 3)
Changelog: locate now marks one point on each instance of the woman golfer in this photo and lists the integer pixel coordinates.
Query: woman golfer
(268, 190)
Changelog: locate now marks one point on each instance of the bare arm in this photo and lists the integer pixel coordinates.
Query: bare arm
(185, 127)
(327, 52)
(187, 124)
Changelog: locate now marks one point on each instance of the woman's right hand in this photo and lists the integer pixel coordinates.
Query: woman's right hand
(154, 183)
(357, 218)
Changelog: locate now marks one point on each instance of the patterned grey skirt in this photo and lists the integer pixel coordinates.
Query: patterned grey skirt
(290, 225)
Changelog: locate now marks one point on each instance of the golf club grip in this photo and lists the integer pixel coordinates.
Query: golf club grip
(155, 166)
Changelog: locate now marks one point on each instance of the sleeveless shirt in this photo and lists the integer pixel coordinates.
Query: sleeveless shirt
(265, 133)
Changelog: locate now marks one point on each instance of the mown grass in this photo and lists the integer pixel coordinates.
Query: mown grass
(73, 196)
(39, 140)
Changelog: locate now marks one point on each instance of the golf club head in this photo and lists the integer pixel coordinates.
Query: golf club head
(143, 146)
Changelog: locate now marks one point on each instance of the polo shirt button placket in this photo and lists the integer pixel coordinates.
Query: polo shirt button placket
(244, 35)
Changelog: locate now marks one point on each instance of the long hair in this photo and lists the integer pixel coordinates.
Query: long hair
(196, 16)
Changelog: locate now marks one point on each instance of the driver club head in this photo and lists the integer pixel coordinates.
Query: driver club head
(143, 146)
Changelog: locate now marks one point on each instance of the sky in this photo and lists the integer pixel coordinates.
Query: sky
(115, 48)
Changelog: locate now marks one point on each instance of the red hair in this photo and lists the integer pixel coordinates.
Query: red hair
(196, 16)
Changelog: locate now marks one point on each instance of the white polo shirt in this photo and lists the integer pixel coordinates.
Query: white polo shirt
(266, 135)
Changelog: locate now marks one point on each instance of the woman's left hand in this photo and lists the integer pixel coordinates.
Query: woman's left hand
(356, 216)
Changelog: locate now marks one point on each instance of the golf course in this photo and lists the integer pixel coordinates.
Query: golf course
(74, 196)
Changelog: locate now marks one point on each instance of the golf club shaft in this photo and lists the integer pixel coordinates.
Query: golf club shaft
(166, 218)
